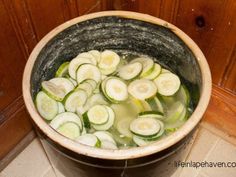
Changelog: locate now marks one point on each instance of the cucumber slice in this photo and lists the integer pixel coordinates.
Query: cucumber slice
(80, 110)
(69, 130)
(74, 100)
(136, 104)
(148, 65)
(96, 99)
(63, 83)
(53, 91)
(155, 72)
(66, 117)
(60, 107)
(145, 127)
(92, 82)
(167, 84)
(140, 142)
(109, 123)
(109, 71)
(174, 112)
(96, 54)
(62, 70)
(183, 95)
(155, 104)
(130, 71)
(108, 145)
(46, 106)
(89, 56)
(109, 60)
(88, 71)
(116, 90)
(104, 136)
(89, 140)
(86, 120)
(123, 127)
(121, 140)
(152, 114)
(165, 71)
(98, 115)
(74, 82)
(86, 87)
(146, 106)
(74, 65)
(159, 134)
(142, 89)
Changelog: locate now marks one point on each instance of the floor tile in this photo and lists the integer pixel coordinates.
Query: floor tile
(49, 173)
(203, 144)
(32, 162)
(223, 152)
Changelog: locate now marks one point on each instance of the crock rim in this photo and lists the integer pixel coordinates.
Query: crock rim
(120, 153)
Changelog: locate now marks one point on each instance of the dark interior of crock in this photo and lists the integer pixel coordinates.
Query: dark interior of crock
(125, 36)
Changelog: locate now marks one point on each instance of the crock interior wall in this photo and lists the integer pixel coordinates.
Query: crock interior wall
(125, 36)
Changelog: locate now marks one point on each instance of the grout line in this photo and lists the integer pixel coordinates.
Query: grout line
(219, 133)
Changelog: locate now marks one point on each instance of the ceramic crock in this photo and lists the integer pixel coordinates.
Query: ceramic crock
(126, 33)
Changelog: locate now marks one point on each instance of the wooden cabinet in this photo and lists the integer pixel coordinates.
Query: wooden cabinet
(212, 24)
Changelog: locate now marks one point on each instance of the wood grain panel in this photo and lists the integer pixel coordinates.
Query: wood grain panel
(212, 24)
(47, 14)
(13, 130)
(229, 79)
(12, 61)
(168, 10)
(18, 12)
(221, 111)
(151, 7)
(89, 6)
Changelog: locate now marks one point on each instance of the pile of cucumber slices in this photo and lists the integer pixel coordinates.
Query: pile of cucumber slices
(101, 100)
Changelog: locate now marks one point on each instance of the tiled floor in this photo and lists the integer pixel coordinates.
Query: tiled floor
(32, 162)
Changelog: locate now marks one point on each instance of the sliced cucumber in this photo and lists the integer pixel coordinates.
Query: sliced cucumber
(183, 95)
(70, 130)
(62, 70)
(123, 127)
(80, 110)
(165, 71)
(174, 112)
(130, 71)
(109, 60)
(46, 106)
(88, 71)
(109, 123)
(116, 90)
(167, 84)
(86, 121)
(63, 83)
(155, 104)
(74, 65)
(148, 65)
(60, 107)
(155, 72)
(121, 140)
(74, 82)
(96, 99)
(53, 91)
(145, 127)
(108, 145)
(104, 136)
(159, 134)
(140, 141)
(92, 82)
(89, 140)
(89, 56)
(86, 87)
(142, 89)
(98, 115)
(152, 114)
(96, 54)
(66, 117)
(107, 72)
(74, 100)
